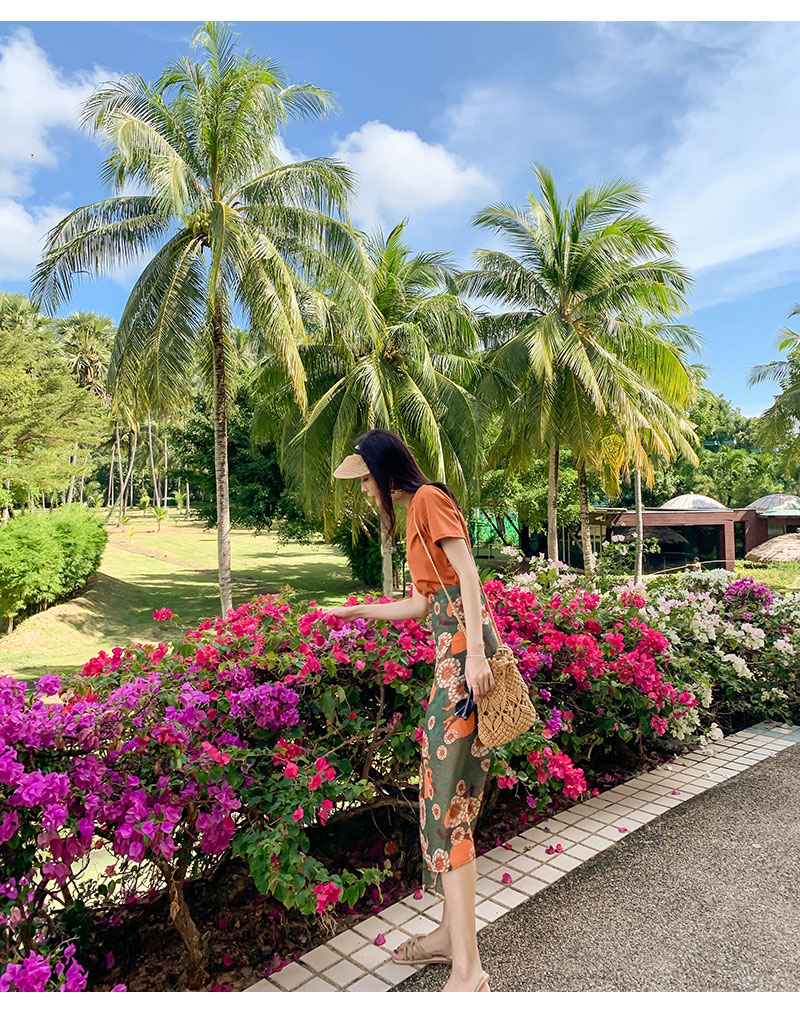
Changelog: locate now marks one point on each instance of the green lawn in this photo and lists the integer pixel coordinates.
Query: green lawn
(776, 575)
(175, 567)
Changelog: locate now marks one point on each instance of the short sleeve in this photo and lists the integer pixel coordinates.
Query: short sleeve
(439, 516)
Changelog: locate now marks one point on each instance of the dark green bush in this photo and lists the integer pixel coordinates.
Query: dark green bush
(47, 558)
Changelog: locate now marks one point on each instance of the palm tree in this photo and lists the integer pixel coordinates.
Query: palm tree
(591, 290)
(780, 424)
(411, 374)
(86, 339)
(237, 232)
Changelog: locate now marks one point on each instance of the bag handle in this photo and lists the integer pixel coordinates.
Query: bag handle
(463, 626)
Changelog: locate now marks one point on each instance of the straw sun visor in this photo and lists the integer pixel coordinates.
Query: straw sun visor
(353, 466)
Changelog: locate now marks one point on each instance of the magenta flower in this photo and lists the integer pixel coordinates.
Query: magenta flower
(417, 894)
(380, 939)
(297, 815)
(506, 879)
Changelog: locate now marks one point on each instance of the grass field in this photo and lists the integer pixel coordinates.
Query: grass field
(776, 575)
(177, 568)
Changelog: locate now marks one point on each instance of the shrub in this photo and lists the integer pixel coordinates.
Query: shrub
(46, 558)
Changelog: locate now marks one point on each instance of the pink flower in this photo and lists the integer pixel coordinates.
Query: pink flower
(659, 725)
(214, 754)
(298, 814)
(595, 792)
(622, 830)
(417, 894)
(676, 793)
(163, 614)
(325, 809)
(506, 846)
(380, 940)
(227, 960)
(327, 894)
(315, 781)
(290, 770)
(321, 764)
(506, 879)
(330, 773)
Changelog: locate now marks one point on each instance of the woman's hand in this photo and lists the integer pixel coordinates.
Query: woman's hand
(347, 612)
(478, 675)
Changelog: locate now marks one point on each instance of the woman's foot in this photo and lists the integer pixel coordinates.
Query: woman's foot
(421, 948)
(478, 982)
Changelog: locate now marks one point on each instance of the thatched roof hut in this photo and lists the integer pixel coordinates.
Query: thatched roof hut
(781, 549)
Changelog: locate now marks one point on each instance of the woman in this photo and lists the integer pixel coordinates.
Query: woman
(454, 761)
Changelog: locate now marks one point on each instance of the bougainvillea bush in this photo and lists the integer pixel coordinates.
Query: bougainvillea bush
(239, 736)
(736, 639)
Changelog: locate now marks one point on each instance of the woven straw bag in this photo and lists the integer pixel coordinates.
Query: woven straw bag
(506, 711)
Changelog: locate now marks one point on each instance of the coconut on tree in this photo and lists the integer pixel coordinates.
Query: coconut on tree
(229, 232)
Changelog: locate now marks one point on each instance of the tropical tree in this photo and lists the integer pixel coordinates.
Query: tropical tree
(230, 233)
(587, 339)
(411, 373)
(779, 425)
(86, 339)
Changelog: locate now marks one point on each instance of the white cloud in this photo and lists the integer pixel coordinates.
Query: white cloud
(36, 100)
(401, 175)
(483, 110)
(21, 234)
(729, 182)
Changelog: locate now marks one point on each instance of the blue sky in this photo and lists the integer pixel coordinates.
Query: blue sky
(441, 118)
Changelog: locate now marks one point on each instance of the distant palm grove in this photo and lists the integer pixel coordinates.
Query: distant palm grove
(265, 333)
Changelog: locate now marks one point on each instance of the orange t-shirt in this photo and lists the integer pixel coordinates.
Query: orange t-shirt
(438, 517)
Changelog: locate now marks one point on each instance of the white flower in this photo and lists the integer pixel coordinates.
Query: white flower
(715, 733)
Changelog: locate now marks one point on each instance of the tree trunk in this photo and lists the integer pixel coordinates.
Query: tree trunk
(126, 480)
(586, 531)
(196, 944)
(166, 480)
(83, 477)
(386, 557)
(525, 539)
(6, 510)
(552, 504)
(156, 495)
(186, 515)
(637, 476)
(73, 459)
(110, 493)
(221, 466)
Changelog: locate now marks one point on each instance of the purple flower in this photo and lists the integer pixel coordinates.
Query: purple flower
(544, 693)
(49, 684)
(9, 824)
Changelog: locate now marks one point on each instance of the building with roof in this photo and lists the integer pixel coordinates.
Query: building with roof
(713, 533)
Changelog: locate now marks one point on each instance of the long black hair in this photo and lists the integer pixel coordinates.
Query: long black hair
(393, 466)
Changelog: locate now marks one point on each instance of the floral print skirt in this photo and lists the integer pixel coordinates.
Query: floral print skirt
(454, 764)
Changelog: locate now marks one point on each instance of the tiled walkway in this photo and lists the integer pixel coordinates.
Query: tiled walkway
(508, 877)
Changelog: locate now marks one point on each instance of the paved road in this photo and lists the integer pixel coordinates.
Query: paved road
(705, 898)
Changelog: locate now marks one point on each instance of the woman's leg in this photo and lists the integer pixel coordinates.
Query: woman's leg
(459, 891)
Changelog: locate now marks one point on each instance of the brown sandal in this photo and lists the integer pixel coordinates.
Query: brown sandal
(414, 954)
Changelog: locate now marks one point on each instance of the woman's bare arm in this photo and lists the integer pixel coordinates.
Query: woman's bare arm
(478, 674)
(414, 608)
(458, 552)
